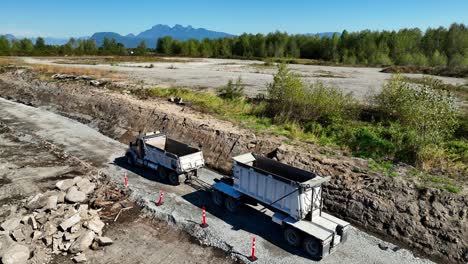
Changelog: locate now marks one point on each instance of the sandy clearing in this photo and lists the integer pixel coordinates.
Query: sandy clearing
(213, 73)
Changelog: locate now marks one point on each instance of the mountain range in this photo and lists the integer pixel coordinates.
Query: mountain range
(151, 35)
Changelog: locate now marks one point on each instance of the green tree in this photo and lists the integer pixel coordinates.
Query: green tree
(26, 47)
(164, 45)
(206, 49)
(438, 59)
(141, 50)
(40, 47)
(4, 46)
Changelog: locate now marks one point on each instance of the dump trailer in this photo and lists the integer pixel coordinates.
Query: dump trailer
(171, 159)
(294, 195)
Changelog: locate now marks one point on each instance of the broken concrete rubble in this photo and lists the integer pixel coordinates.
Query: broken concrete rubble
(32, 222)
(16, 254)
(17, 235)
(80, 258)
(51, 202)
(75, 196)
(104, 241)
(64, 185)
(95, 225)
(69, 222)
(10, 224)
(48, 221)
(83, 242)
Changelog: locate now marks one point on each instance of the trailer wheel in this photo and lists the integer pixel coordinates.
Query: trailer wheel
(311, 246)
(292, 236)
(162, 173)
(173, 178)
(232, 205)
(217, 197)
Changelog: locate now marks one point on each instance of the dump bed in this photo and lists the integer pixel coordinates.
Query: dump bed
(161, 150)
(283, 187)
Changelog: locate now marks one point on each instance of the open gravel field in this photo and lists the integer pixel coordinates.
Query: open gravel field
(213, 73)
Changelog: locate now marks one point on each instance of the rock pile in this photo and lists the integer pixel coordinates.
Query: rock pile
(59, 76)
(60, 219)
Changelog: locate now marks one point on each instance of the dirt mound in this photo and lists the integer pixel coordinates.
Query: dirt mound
(426, 219)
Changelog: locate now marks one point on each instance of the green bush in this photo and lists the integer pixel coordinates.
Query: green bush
(292, 100)
(424, 108)
(367, 142)
(458, 149)
(232, 90)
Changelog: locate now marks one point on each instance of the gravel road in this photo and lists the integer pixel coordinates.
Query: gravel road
(213, 73)
(182, 203)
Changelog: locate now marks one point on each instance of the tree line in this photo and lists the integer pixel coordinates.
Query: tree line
(434, 47)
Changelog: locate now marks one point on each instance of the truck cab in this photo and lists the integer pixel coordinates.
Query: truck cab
(171, 159)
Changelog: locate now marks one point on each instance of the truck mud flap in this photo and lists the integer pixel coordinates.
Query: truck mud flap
(326, 247)
(343, 232)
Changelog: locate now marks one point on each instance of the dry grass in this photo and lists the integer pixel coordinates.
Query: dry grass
(8, 61)
(97, 73)
(95, 60)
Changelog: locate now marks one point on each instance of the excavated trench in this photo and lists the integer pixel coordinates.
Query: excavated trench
(425, 219)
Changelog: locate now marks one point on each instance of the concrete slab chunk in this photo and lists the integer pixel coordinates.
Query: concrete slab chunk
(64, 185)
(51, 202)
(95, 225)
(69, 222)
(104, 241)
(75, 196)
(16, 254)
(11, 224)
(80, 258)
(83, 242)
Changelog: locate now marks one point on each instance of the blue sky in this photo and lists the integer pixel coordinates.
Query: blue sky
(61, 18)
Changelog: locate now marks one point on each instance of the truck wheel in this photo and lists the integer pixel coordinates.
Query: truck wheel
(292, 236)
(162, 173)
(232, 205)
(311, 246)
(217, 197)
(173, 178)
(130, 160)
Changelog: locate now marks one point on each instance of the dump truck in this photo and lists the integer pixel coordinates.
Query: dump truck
(294, 195)
(171, 159)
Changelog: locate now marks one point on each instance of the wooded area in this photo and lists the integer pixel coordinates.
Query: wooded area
(434, 47)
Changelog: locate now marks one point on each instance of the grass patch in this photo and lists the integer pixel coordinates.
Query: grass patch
(95, 60)
(441, 183)
(384, 167)
(97, 73)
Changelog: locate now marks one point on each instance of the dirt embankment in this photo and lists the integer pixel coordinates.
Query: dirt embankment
(429, 220)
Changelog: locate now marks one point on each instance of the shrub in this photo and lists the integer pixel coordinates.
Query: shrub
(290, 99)
(423, 108)
(458, 149)
(369, 143)
(232, 90)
